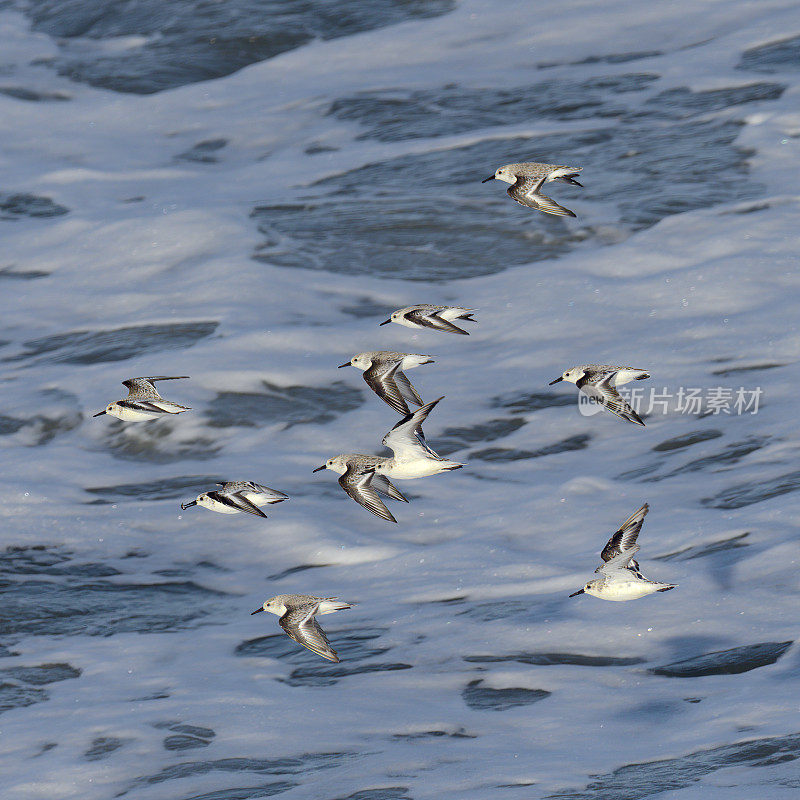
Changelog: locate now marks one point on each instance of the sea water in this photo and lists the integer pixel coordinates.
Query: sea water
(241, 192)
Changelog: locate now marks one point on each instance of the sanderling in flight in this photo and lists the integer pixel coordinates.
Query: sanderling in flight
(143, 401)
(526, 180)
(363, 476)
(383, 372)
(595, 380)
(359, 479)
(440, 318)
(297, 611)
(237, 496)
(620, 578)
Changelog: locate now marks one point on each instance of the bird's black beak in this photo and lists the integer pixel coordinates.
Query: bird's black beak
(385, 323)
(580, 591)
(560, 378)
(490, 178)
(348, 364)
(184, 506)
(100, 413)
(575, 183)
(257, 611)
(319, 468)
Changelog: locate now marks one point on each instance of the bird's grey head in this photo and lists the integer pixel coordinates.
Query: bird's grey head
(593, 587)
(397, 315)
(505, 174)
(270, 605)
(336, 464)
(571, 375)
(200, 500)
(274, 606)
(360, 361)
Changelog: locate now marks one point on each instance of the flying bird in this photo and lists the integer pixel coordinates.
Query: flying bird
(384, 374)
(238, 496)
(526, 179)
(364, 476)
(599, 381)
(297, 612)
(620, 578)
(143, 401)
(439, 318)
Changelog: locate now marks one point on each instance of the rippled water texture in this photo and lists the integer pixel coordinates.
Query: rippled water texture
(240, 192)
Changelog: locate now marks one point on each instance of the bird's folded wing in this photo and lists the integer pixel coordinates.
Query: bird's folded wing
(527, 193)
(610, 398)
(431, 319)
(273, 495)
(406, 388)
(301, 626)
(357, 483)
(549, 206)
(236, 501)
(247, 505)
(167, 406)
(381, 379)
(141, 405)
(382, 484)
(435, 320)
(530, 184)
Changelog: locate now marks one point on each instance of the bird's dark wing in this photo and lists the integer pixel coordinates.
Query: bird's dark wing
(236, 501)
(406, 388)
(381, 379)
(624, 539)
(382, 484)
(357, 483)
(527, 193)
(610, 398)
(300, 625)
(431, 319)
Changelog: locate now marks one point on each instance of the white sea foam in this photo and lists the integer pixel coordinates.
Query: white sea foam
(485, 556)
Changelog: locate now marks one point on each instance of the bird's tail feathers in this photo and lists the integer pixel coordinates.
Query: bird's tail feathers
(331, 605)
